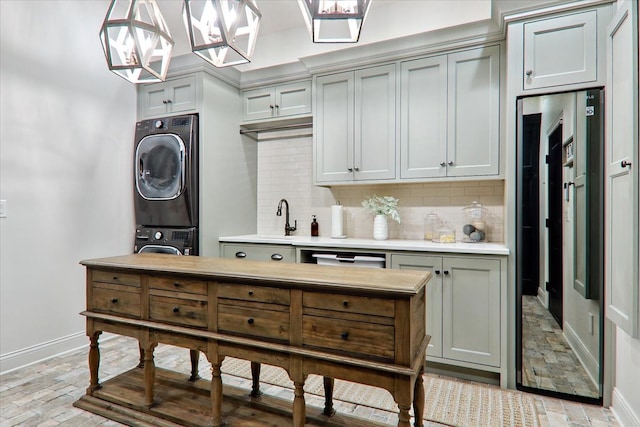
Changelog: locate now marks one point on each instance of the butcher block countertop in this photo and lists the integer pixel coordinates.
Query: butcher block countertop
(316, 277)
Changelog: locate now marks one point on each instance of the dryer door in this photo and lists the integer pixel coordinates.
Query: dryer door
(160, 167)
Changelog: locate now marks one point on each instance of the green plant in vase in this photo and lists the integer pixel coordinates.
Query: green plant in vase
(382, 207)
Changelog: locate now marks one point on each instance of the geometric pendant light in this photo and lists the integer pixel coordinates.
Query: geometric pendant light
(334, 21)
(136, 41)
(222, 32)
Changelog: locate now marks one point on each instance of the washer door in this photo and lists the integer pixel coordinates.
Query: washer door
(157, 249)
(160, 167)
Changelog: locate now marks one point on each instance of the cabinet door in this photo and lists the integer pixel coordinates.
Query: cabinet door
(434, 294)
(172, 96)
(560, 51)
(471, 310)
(375, 123)
(423, 118)
(293, 99)
(333, 127)
(258, 104)
(621, 172)
(473, 139)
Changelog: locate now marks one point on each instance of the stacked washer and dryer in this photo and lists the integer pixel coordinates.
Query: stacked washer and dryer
(166, 185)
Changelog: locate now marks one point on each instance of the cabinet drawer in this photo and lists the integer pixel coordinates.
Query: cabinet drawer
(179, 285)
(369, 339)
(251, 293)
(116, 278)
(116, 299)
(349, 304)
(253, 320)
(258, 252)
(178, 311)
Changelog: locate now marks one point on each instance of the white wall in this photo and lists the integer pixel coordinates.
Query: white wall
(66, 145)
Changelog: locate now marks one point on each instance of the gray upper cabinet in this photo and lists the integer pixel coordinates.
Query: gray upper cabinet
(170, 97)
(449, 115)
(355, 125)
(270, 102)
(560, 51)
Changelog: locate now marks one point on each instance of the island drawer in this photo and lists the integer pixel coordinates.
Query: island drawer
(361, 338)
(180, 311)
(116, 299)
(254, 320)
(349, 304)
(263, 294)
(199, 287)
(116, 278)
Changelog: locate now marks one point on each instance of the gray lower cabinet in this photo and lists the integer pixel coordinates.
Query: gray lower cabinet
(463, 307)
(258, 252)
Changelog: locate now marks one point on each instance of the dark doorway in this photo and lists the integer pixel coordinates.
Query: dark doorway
(554, 223)
(530, 201)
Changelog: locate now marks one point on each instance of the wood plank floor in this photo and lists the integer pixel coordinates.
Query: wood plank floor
(42, 395)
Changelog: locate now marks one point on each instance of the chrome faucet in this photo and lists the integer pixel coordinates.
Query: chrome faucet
(287, 228)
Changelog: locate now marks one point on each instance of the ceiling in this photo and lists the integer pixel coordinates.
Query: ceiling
(283, 37)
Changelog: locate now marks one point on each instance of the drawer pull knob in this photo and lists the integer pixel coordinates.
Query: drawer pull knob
(529, 72)
(277, 257)
(241, 254)
(446, 272)
(115, 277)
(176, 309)
(345, 303)
(114, 300)
(250, 293)
(250, 321)
(344, 335)
(177, 285)
(437, 271)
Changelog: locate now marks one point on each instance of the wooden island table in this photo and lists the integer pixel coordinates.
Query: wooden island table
(355, 324)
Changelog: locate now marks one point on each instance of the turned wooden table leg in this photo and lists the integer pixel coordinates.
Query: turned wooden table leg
(255, 379)
(328, 396)
(404, 419)
(195, 360)
(418, 400)
(94, 363)
(149, 374)
(216, 396)
(298, 405)
(141, 360)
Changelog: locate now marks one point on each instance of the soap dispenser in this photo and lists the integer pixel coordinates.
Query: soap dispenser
(314, 226)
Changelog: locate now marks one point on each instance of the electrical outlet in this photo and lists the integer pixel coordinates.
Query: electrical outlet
(3, 208)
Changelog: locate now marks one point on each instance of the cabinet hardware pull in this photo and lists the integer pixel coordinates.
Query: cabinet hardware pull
(344, 335)
(446, 272)
(277, 106)
(177, 285)
(114, 300)
(271, 106)
(437, 271)
(356, 169)
(250, 320)
(277, 257)
(529, 72)
(450, 162)
(345, 303)
(169, 101)
(176, 309)
(350, 169)
(624, 164)
(250, 293)
(116, 277)
(442, 163)
(164, 101)
(241, 255)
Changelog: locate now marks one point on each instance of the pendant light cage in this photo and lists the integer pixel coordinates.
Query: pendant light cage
(222, 32)
(334, 21)
(136, 41)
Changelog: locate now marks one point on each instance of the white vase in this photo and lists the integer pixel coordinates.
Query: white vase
(380, 228)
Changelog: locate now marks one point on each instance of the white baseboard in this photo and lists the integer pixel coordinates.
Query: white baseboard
(37, 353)
(543, 297)
(623, 410)
(588, 361)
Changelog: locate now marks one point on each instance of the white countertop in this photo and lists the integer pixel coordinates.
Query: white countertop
(385, 245)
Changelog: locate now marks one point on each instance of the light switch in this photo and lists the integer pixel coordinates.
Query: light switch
(3, 208)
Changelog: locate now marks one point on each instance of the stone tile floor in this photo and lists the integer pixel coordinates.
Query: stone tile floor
(41, 395)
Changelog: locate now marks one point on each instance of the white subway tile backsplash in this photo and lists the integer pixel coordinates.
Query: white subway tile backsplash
(285, 169)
